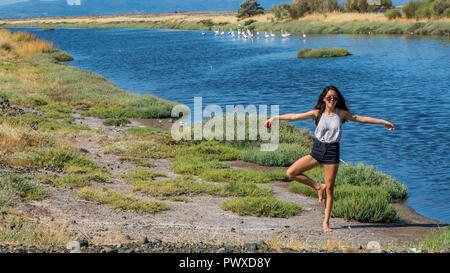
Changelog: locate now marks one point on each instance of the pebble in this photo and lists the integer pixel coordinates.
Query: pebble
(83, 242)
(374, 247)
(251, 246)
(74, 247)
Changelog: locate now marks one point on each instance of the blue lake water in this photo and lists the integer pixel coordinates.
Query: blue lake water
(405, 81)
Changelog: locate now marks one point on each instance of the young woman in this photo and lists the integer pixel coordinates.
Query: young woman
(329, 114)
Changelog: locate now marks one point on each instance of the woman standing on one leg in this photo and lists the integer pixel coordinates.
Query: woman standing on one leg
(329, 114)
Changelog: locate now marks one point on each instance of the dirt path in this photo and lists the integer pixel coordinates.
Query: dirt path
(202, 219)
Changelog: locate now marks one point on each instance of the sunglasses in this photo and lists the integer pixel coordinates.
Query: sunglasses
(332, 97)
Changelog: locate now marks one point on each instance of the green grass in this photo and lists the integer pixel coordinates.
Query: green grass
(143, 131)
(118, 200)
(261, 206)
(325, 52)
(212, 150)
(141, 173)
(194, 165)
(285, 155)
(363, 175)
(299, 188)
(15, 189)
(20, 230)
(363, 204)
(59, 158)
(435, 242)
(187, 185)
(119, 121)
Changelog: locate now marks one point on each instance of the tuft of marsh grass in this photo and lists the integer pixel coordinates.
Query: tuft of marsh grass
(325, 52)
(363, 175)
(261, 206)
(15, 138)
(16, 188)
(118, 200)
(285, 155)
(187, 185)
(439, 240)
(59, 158)
(213, 150)
(20, 230)
(141, 173)
(195, 165)
(363, 204)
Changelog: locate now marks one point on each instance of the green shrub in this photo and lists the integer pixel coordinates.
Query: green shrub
(118, 200)
(325, 52)
(410, 9)
(261, 206)
(213, 150)
(249, 8)
(361, 175)
(363, 204)
(284, 155)
(61, 56)
(187, 185)
(393, 14)
(141, 173)
(59, 158)
(195, 165)
(14, 188)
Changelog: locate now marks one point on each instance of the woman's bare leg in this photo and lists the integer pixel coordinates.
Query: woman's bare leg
(295, 172)
(330, 176)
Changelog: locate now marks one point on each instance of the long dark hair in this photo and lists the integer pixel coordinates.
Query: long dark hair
(321, 104)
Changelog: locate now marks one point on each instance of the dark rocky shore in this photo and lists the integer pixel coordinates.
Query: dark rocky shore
(144, 246)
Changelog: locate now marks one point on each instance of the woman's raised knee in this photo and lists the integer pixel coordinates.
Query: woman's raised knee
(292, 174)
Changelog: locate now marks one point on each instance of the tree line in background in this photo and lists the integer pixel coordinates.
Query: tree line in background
(299, 8)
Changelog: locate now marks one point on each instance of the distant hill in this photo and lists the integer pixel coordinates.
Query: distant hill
(56, 8)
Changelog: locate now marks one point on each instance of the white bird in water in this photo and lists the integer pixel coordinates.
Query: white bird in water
(271, 34)
(266, 34)
(203, 33)
(304, 35)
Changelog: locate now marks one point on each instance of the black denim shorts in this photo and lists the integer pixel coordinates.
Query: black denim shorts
(325, 153)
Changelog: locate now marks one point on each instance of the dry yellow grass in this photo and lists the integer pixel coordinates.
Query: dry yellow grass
(14, 138)
(22, 44)
(32, 47)
(332, 17)
(339, 17)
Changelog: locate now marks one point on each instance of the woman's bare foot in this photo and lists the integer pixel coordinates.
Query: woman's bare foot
(326, 228)
(320, 193)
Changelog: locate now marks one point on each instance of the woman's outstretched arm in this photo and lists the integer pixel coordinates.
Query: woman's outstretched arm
(301, 116)
(361, 119)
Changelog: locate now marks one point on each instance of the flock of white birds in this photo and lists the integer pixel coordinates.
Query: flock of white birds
(247, 34)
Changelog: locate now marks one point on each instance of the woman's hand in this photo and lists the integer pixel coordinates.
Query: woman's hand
(389, 125)
(268, 123)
